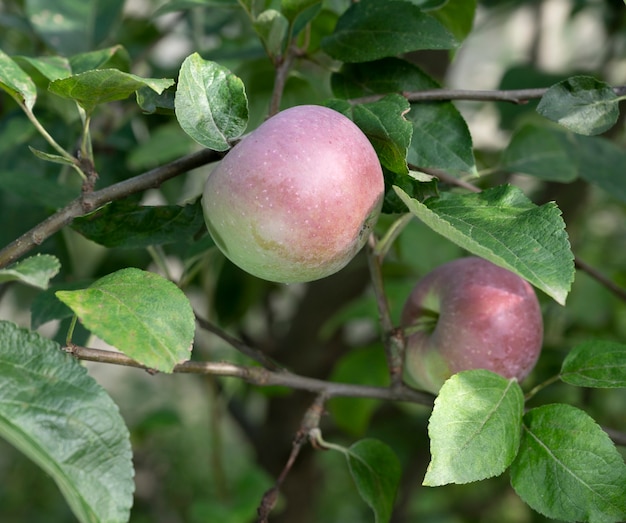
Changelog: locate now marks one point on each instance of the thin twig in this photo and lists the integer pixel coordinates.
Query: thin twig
(516, 96)
(90, 201)
(262, 377)
(239, 345)
(310, 421)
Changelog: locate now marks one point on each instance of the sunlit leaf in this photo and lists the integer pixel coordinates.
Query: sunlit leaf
(567, 468)
(140, 313)
(210, 102)
(503, 226)
(474, 428)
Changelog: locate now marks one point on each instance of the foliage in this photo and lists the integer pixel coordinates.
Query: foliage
(108, 131)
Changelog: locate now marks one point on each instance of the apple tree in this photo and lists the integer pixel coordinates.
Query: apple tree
(157, 191)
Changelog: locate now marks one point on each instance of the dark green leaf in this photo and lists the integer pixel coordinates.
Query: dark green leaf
(115, 57)
(548, 154)
(415, 184)
(371, 29)
(101, 86)
(72, 26)
(474, 428)
(503, 226)
(152, 102)
(376, 472)
(131, 226)
(211, 104)
(457, 16)
(581, 104)
(292, 8)
(140, 313)
(601, 163)
(58, 416)
(366, 366)
(567, 468)
(386, 127)
(596, 364)
(32, 186)
(440, 137)
(16, 82)
(36, 271)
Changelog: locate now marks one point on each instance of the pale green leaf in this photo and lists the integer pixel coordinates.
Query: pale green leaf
(474, 428)
(140, 313)
(16, 82)
(58, 416)
(36, 271)
(100, 86)
(210, 103)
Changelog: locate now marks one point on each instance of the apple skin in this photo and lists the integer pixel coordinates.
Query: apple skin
(295, 200)
(470, 314)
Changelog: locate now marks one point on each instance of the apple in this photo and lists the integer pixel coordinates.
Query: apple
(295, 200)
(470, 314)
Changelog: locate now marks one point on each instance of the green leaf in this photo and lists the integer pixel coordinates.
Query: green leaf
(114, 57)
(547, 154)
(567, 468)
(100, 86)
(36, 271)
(131, 226)
(371, 29)
(599, 364)
(72, 26)
(210, 102)
(601, 163)
(457, 16)
(292, 8)
(376, 472)
(151, 102)
(48, 157)
(50, 67)
(581, 104)
(386, 127)
(474, 428)
(501, 225)
(366, 366)
(272, 27)
(16, 82)
(47, 307)
(440, 137)
(58, 416)
(140, 313)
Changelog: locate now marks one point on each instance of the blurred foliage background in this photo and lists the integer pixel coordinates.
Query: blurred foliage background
(206, 448)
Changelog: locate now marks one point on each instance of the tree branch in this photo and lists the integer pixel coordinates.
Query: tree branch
(92, 200)
(516, 96)
(262, 377)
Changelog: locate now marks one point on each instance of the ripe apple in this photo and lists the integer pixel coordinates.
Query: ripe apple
(294, 201)
(470, 314)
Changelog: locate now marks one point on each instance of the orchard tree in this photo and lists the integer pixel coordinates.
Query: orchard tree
(215, 215)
